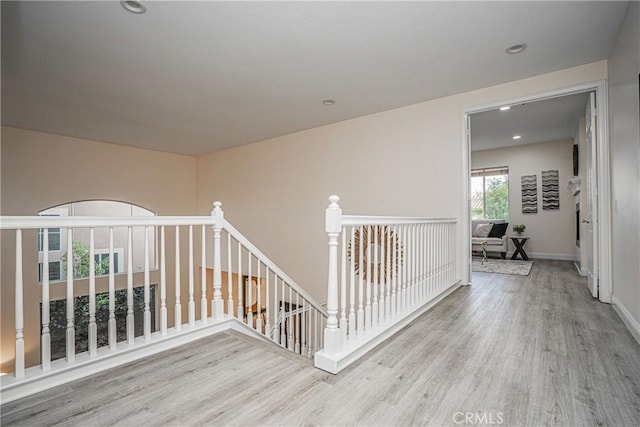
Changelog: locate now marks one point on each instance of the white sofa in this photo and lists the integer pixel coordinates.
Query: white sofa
(494, 244)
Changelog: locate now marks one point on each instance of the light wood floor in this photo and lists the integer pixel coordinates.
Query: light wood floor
(534, 350)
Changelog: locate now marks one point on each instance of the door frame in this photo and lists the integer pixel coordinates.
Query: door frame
(604, 176)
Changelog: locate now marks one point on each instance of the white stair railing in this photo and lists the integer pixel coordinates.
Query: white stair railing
(255, 292)
(383, 272)
(261, 295)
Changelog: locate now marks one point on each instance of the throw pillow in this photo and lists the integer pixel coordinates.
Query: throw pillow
(499, 230)
(482, 230)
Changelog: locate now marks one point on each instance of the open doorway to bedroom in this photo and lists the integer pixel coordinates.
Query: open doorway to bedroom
(532, 173)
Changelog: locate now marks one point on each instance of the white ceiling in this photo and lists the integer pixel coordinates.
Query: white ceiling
(552, 119)
(196, 77)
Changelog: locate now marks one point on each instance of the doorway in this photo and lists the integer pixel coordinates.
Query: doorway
(592, 251)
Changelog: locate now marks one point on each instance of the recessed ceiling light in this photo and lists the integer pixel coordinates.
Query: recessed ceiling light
(516, 48)
(517, 136)
(328, 101)
(134, 6)
(505, 108)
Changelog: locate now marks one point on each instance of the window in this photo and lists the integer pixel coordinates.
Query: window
(101, 258)
(490, 193)
(54, 271)
(54, 239)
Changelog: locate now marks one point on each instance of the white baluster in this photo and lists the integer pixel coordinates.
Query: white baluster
(147, 291)
(71, 331)
(343, 288)
(283, 335)
(275, 335)
(333, 226)
(93, 328)
(192, 303)
(375, 308)
(45, 338)
(360, 312)
(387, 300)
(163, 284)
(453, 252)
(203, 277)
(112, 296)
(434, 256)
(414, 270)
(217, 306)
(430, 254)
(367, 307)
(312, 333)
(422, 255)
(130, 318)
(240, 311)
(267, 327)
(394, 273)
(427, 250)
(297, 325)
(382, 278)
(229, 278)
(19, 308)
(259, 301)
(290, 328)
(439, 255)
(178, 305)
(303, 340)
(405, 266)
(309, 333)
(247, 305)
(352, 288)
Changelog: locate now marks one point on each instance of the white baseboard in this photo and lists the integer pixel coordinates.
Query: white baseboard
(561, 257)
(632, 324)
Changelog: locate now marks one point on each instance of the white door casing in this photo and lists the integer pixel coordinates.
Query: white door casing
(591, 211)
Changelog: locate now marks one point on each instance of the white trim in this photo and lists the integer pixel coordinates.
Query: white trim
(37, 380)
(27, 222)
(604, 199)
(335, 363)
(545, 255)
(604, 202)
(632, 324)
(356, 220)
(465, 223)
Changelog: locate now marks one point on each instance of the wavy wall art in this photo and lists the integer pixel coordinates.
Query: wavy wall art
(529, 194)
(550, 191)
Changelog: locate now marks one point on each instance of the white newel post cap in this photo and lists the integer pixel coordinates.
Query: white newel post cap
(333, 217)
(217, 213)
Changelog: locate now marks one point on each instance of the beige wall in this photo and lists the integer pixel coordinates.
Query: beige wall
(42, 170)
(405, 161)
(624, 66)
(552, 232)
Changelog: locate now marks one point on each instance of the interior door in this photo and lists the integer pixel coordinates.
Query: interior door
(591, 214)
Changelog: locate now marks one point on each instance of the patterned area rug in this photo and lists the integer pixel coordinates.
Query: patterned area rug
(502, 266)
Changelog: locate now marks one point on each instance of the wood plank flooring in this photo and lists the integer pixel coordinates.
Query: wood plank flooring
(524, 350)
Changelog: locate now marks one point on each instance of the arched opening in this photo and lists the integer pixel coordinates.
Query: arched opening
(97, 208)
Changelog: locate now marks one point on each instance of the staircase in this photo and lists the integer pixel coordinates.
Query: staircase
(202, 277)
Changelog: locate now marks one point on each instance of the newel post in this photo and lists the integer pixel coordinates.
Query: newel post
(217, 310)
(333, 226)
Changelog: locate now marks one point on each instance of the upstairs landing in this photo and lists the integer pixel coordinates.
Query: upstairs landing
(537, 349)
